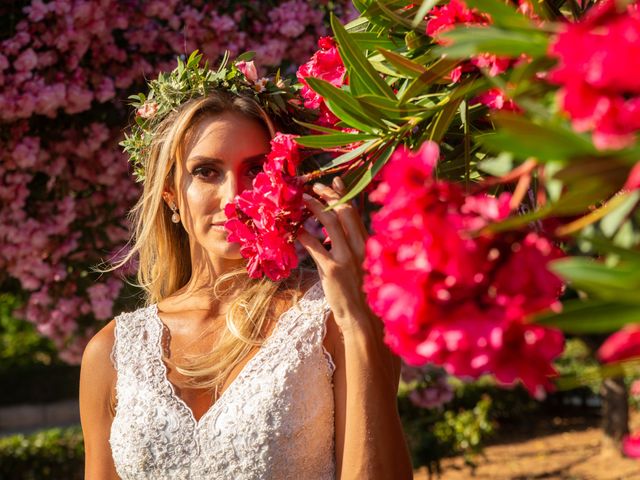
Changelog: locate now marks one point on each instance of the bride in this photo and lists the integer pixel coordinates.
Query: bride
(221, 376)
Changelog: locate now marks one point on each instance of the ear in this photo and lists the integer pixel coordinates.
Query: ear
(168, 196)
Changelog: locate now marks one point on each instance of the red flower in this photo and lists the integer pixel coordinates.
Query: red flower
(600, 87)
(446, 17)
(327, 65)
(265, 219)
(448, 295)
(622, 345)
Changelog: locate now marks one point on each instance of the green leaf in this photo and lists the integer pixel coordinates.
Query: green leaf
(545, 142)
(346, 107)
(370, 171)
(332, 140)
(434, 73)
(619, 283)
(580, 317)
(372, 40)
(425, 7)
(502, 15)
(351, 155)
(357, 64)
(390, 109)
(403, 64)
(441, 124)
(470, 41)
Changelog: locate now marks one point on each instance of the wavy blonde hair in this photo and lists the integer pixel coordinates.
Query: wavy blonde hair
(162, 247)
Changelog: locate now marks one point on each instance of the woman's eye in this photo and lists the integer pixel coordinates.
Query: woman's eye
(204, 172)
(255, 170)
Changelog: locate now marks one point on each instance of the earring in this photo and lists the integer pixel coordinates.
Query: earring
(175, 218)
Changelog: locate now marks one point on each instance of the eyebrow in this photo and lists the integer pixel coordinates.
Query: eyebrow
(204, 158)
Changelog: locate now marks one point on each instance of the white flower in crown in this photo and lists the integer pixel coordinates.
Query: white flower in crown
(147, 110)
(261, 84)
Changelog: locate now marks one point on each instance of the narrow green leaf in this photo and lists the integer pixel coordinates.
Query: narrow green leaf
(390, 109)
(357, 64)
(369, 173)
(372, 40)
(544, 141)
(619, 283)
(591, 317)
(502, 15)
(425, 8)
(332, 140)
(434, 73)
(443, 120)
(345, 107)
(466, 42)
(403, 64)
(351, 155)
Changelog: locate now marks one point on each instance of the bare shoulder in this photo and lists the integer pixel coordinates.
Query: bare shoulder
(99, 348)
(97, 372)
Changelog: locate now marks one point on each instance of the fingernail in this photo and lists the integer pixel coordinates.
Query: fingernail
(337, 181)
(317, 187)
(306, 196)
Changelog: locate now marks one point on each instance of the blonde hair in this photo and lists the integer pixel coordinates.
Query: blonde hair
(162, 247)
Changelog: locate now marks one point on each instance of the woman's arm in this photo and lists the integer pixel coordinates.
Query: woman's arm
(370, 443)
(97, 380)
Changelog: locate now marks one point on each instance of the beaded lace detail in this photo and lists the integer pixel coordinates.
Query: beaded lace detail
(274, 421)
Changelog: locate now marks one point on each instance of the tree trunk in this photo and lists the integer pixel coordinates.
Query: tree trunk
(615, 411)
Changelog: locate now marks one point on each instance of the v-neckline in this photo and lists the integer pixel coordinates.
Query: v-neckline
(243, 372)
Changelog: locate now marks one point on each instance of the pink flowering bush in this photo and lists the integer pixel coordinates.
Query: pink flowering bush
(66, 67)
(449, 295)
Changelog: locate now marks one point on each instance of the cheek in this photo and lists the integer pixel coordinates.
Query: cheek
(200, 198)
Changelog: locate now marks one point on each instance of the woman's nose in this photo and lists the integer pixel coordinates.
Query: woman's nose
(229, 189)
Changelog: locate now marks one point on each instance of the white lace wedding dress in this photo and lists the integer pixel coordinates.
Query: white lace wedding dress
(275, 421)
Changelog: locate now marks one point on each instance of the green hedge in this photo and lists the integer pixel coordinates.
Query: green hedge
(56, 453)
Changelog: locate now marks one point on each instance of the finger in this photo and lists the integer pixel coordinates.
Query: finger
(339, 245)
(341, 188)
(319, 254)
(348, 215)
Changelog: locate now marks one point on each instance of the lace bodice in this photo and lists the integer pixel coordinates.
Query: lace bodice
(274, 421)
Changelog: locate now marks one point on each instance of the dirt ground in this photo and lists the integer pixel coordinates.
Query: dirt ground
(554, 449)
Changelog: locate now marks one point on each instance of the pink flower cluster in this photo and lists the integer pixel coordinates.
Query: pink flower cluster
(622, 345)
(444, 18)
(449, 295)
(64, 202)
(600, 88)
(61, 50)
(65, 67)
(265, 219)
(326, 65)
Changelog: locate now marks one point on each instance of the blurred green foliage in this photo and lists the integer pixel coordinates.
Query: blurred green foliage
(56, 454)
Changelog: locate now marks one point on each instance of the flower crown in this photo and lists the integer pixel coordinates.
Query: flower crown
(189, 80)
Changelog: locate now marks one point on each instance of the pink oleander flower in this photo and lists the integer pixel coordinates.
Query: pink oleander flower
(248, 69)
(600, 89)
(450, 296)
(443, 18)
(631, 445)
(622, 345)
(495, 99)
(633, 180)
(327, 65)
(147, 110)
(265, 219)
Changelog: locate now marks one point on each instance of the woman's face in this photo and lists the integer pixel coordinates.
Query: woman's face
(225, 153)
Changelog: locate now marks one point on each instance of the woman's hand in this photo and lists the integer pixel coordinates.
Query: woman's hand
(341, 268)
